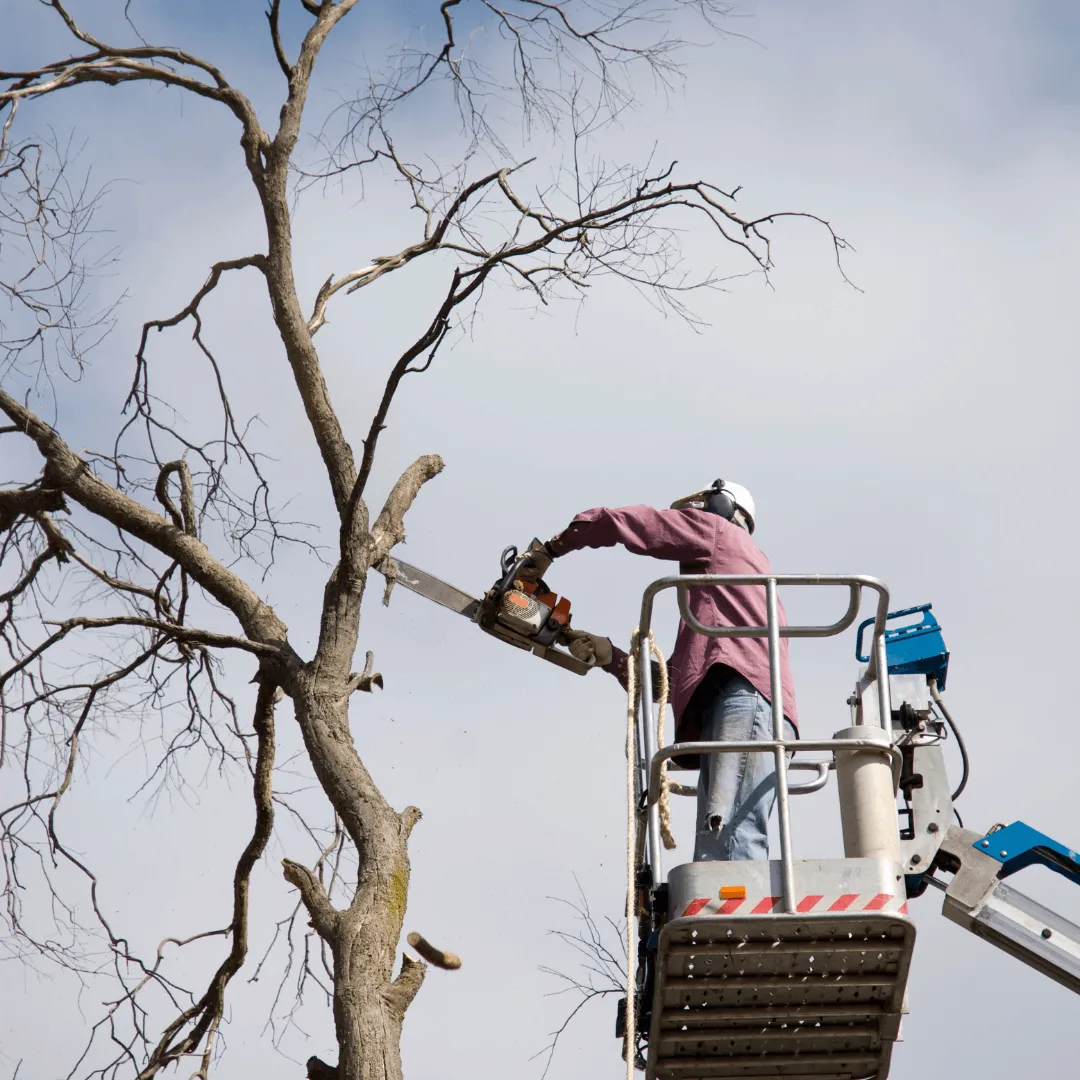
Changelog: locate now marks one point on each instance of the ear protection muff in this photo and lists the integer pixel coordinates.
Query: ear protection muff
(718, 501)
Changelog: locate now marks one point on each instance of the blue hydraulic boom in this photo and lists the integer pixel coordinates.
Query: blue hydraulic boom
(976, 897)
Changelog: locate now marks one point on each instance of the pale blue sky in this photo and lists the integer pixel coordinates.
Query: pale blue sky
(922, 430)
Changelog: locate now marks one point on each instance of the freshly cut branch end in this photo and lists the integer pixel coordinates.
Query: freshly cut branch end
(448, 961)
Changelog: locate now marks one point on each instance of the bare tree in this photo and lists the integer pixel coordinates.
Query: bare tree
(131, 573)
(600, 951)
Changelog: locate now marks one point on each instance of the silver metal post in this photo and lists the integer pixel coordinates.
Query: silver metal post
(787, 867)
(881, 665)
(648, 731)
(763, 746)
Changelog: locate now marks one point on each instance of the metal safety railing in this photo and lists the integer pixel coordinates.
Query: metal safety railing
(652, 757)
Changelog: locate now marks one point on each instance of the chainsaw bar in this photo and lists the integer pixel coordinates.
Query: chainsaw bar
(421, 582)
(447, 596)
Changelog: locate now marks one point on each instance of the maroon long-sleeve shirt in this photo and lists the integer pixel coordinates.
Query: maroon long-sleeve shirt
(702, 543)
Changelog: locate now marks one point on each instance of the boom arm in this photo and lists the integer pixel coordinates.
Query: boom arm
(976, 898)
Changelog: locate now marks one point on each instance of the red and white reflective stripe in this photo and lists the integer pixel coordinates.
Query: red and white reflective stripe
(849, 903)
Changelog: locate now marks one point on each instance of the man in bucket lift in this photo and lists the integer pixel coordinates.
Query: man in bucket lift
(719, 686)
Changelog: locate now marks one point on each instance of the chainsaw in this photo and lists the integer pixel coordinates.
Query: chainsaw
(525, 614)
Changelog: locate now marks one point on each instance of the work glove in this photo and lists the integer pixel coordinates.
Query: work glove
(540, 558)
(589, 648)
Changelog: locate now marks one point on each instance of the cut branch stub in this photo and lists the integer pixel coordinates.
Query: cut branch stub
(409, 817)
(324, 918)
(406, 986)
(366, 679)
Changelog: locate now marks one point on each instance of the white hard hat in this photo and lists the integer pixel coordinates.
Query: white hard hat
(743, 500)
(723, 498)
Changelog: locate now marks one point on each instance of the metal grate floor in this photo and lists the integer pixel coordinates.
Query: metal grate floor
(792, 996)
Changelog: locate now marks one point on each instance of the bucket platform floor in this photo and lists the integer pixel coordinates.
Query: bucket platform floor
(795, 996)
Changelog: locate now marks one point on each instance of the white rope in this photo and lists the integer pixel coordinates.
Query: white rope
(633, 692)
(681, 789)
(666, 834)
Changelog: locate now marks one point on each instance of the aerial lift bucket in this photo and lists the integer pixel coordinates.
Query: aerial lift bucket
(785, 968)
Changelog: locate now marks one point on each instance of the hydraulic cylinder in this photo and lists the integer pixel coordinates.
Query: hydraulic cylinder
(864, 780)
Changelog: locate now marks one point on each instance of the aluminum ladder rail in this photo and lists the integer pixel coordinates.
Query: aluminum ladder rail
(783, 990)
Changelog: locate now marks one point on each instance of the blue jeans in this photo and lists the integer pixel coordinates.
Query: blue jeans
(736, 791)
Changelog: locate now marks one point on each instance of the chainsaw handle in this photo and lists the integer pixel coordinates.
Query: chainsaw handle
(508, 558)
(565, 660)
(511, 564)
(549, 653)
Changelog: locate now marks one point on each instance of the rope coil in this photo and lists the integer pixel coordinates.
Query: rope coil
(633, 834)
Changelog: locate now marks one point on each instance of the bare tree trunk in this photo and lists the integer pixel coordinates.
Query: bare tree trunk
(369, 1003)
(367, 1023)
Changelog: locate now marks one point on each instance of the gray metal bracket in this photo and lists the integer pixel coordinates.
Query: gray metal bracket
(931, 810)
(978, 901)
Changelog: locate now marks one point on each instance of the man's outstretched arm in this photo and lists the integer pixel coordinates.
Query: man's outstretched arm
(687, 536)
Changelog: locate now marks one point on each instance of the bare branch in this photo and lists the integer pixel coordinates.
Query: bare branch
(389, 527)
(111, 65)
(357, 279)
(407, 985)
(191, 309)
(206, 1015)
(274, 18)
(432, 337)
(28, 502)
(186, 634)
(71, 474)
(603, 970)
(323, 916)
(184, 518)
